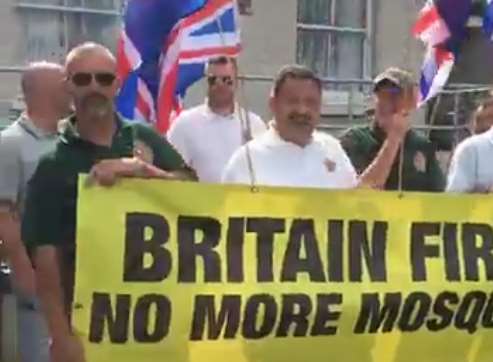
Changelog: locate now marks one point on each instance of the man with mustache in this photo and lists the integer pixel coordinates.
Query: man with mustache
(408, 157)
(292, 153)
(98, 141)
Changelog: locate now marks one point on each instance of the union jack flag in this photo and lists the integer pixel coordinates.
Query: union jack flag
(441, 26)
(163, 49)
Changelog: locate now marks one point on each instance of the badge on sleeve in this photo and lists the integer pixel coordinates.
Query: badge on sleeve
(330, 165)
(143, 152)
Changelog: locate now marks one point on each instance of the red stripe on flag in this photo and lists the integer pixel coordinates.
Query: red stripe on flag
(173, 36)
(231, 51)
(143, 107)
(426, 20)
(207, 11)
(166, 99)
(442, 56)
(123, 63)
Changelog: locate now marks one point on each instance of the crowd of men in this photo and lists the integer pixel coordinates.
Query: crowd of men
(70, 127)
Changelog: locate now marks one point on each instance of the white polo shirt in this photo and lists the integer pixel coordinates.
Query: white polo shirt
(471, 169)
(207, 140)
(276, 162)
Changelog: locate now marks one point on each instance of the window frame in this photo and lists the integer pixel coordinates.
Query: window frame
(116, 11)
(65, 10)
(367, 64)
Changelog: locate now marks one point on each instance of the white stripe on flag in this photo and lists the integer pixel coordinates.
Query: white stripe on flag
(139, 116)
(436, 34)
(436, 74)
(209, 20)
(196, 43)
(202, 59)
(169, 61)
(147, 97)
(131, 52)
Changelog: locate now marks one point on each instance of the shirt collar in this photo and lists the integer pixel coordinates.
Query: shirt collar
(273, 139)
(70, 134)
(28, 125)
(210, 113)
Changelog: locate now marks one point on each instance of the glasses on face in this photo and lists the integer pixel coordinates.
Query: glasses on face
(82, 79)
(389, 90)
(213, 80)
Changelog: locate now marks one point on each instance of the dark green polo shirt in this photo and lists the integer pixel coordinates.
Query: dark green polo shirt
(50, 216)
(421, 171)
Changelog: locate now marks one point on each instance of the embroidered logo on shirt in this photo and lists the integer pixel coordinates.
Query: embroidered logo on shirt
(330, 165)
(420, 162)
(143, 152)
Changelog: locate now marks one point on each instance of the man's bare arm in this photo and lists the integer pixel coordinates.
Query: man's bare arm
(376, 175)
(15, 252)
(65, 346)
(107, 172)
(50, 292)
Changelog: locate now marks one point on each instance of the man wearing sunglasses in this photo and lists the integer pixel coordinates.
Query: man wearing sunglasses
(207, 136)
(95, 140)
(406, 160)
(21, 146)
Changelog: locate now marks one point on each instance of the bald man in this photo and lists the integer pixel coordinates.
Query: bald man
(21, 146)
(94, 133)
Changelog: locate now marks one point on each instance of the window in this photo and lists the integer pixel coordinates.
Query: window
(52, 27)
(333, 37)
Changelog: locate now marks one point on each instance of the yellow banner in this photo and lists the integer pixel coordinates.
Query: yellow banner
(181, 272)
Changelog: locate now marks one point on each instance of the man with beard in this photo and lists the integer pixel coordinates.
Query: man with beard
(409, 158)
(206, 136)
(292, 153)
(93, 134)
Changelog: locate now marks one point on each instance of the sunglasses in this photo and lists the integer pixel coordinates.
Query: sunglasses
(104, 79)
(213, 80)
(391, 90)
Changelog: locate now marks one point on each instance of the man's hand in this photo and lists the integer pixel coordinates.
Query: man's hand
(67, 348)
(15, 252)
(107, 172)
(400, 125)
(376, 174)
(9, 230)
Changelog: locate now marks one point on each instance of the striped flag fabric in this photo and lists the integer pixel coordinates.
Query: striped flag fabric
(163, 50)
(435, 72)
(430, 27)
(441, 25)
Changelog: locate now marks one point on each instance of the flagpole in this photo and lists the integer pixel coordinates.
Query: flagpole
(407, 63)
(243, 112)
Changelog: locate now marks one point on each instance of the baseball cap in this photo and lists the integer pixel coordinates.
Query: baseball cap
(396, 76)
